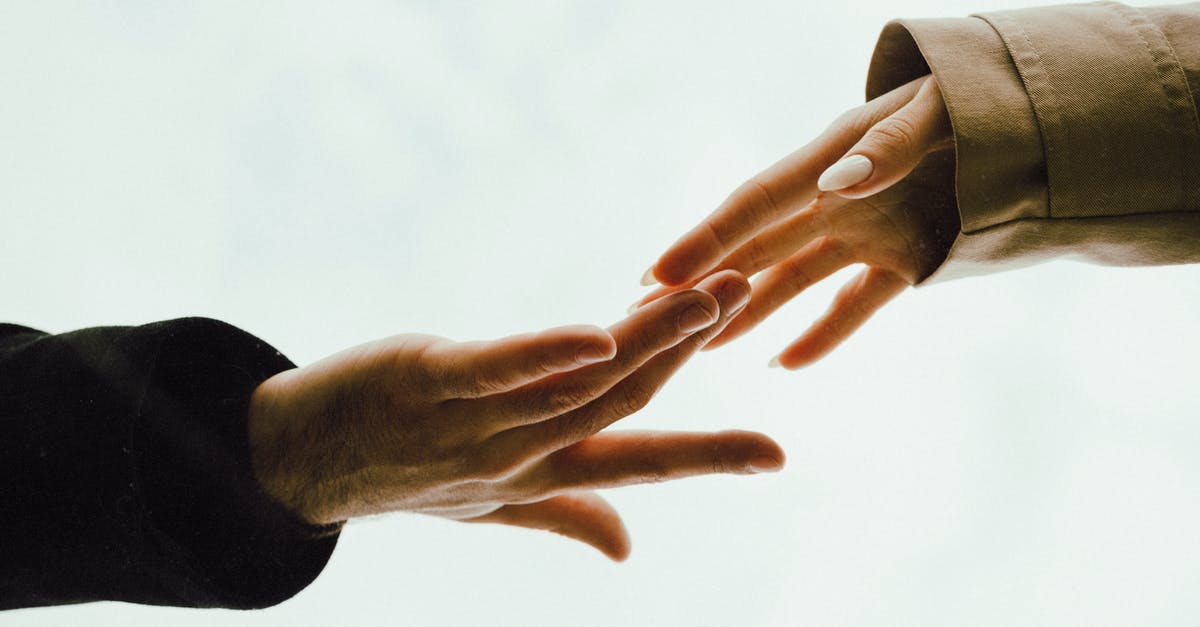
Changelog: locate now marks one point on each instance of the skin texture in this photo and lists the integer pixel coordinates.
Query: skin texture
(898, 222)
(507, 431)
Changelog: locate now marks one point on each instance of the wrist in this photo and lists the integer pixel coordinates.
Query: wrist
(272, 435)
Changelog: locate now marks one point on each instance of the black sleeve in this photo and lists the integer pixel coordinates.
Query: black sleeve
(125, 472)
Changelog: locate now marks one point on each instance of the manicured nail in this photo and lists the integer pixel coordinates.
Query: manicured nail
(695, 318)
(591, 354)
(764, 464)
(648, 278)
(774, 363)
(849, 171)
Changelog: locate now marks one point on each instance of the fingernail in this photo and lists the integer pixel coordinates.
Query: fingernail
(591, 354)
(648, 278)
(634, 307)
(735, 296)
(741, 304)
(695, 318)
(849, 171)
(764, 464)
(774, 363)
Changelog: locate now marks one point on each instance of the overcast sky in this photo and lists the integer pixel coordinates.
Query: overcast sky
(1021, 448)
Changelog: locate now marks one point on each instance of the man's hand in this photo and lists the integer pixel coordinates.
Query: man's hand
(840, 200)
(503, 431)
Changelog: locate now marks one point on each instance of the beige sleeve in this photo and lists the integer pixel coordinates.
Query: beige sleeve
(1075, 130)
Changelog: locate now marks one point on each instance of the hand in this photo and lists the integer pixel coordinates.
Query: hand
(798, 228)
(502, 431)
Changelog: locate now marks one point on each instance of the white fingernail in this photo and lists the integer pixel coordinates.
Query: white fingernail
(634, 307)
(849, 171)
(774, 363)
(648, 278)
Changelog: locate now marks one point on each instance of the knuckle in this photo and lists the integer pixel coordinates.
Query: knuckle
(761, 194)
(437, 371)
(753, 201)
(543, 366)
(895, 136)
(493, 466)
(632, 399)
(524, 490)
(567, 429)
(835, 247)
(564, 431)
(563, 398)
(717, 238)
(751, 257)
(720, 466)
(480, 381)
(646, 341)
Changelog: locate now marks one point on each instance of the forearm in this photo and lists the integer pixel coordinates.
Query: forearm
(126, 458)
(1075, 131)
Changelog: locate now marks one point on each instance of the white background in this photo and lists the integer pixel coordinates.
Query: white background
(1021, 448)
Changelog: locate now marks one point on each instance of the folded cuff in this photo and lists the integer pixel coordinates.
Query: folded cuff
(1075, 132)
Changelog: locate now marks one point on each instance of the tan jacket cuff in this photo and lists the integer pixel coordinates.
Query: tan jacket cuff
(1075, 133)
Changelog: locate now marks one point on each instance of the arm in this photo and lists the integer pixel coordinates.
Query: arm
(506, 431)
(1059, 131)
(187, 463)
(125, 473)
(1083, 140)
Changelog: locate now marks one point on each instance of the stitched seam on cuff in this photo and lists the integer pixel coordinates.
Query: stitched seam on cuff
(1173, 82)
(1042, 97)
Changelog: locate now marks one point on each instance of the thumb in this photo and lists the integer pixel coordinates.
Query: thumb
(582, 516)
(891, 148)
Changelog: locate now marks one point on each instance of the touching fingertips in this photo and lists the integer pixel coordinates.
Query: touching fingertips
(849, 171)
(696, 317)
(734, 295)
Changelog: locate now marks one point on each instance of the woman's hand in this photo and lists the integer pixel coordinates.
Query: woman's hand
(503, 431)
(845, 198)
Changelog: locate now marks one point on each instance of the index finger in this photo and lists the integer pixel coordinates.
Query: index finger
(473, 369)
(758, 203)
(777, 192)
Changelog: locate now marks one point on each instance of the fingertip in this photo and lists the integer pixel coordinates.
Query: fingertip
(797, 357)
(847, 172)
(606, 342)
(598, 349)
(592, 344)
(619, 551)
(732, 290)
(675, 268)
(772, 452)
(760, 453)
(648, 277)
(856, 192)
